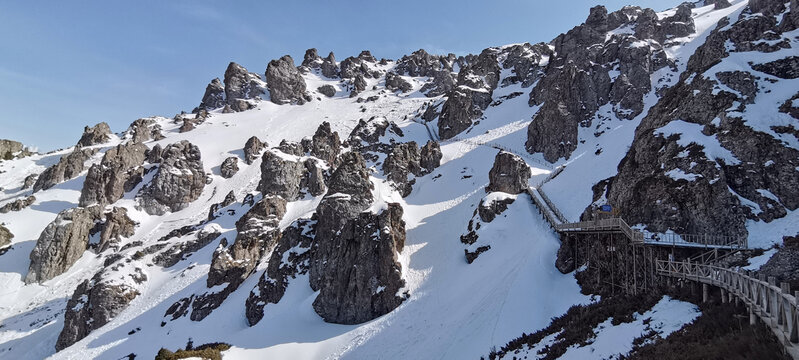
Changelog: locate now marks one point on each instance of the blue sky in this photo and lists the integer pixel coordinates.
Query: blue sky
(64, 65)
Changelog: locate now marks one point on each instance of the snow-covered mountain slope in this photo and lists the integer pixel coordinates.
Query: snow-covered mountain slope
(188, 228)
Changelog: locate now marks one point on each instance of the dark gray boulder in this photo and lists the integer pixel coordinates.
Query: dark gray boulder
(252, 149)
(62, 243)
(395, 82)
(17, 205)
(68, 167)
(311, 60)
(510, 174)
(119, 171)
(400, 163)
(214, 96)
(145, 129)
(95, 135)
(285, 82)
(29, 181)
(330, 67)
(229, 167)
(241, 85)
(280, 176)
(327, 90)
(430, 156)
(325, 144)
(5, 236)
(457, 114)
(179, 181)
(98, 300)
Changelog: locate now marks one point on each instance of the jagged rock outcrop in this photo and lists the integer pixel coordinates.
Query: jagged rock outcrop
(280, 176)
(95, 135)
(289, 259)
(62, 243)
(29, 181)
(98, 300)
(314, 178)
(116, 226)
(430, 156)
(327, 90)
(154, 154)
(510, 174)
(145, 129)
(229, 167)
(699, 164)
(311, 60)
(119, 171)
(214, 96)
(577, 80)
(325, 144)
(258, 233)
(252, 149)
(241, 85)
(491, 207)
(373, 242)
(229, 199)
(457, 114)
(395, 82)
(403, 160)
(17, 204)
(437, 68)
(179, 181)
(184, 249)
(330, 67)
(285, 82)
(5, 236)
(8, 148)
(68, 167)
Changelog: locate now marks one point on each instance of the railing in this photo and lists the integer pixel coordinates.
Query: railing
(542, 207)
(558, 169)
(603, 225)
(775, 305)
(549, 203)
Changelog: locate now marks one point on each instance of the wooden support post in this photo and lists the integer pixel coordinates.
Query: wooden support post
(705, 293)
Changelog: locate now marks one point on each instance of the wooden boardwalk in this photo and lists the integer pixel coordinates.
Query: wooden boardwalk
(775, 305)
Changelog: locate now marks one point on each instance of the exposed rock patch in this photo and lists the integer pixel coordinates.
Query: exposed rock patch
(95, 135)
(229, 167)
(119, 171)
(510, 174)
(5, 236)
(285, 83)
(179, 181)
(252, 149)
(68, 167)
(17, 205)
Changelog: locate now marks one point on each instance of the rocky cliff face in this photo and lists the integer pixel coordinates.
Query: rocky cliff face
(68, 167)
(699, 163)
(98, 300)
(240, 86)
(62, 243)
(179, 181)
(118, 172)
(95, 135)
(285, 83)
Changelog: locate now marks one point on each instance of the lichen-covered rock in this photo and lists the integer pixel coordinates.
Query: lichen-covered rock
(5, 236)
(95, 135)
(229, 167)
(17, 205)
(510, 174)
(325, 144)
(119, 171)
(68, 167)
(327, 90)
(62, 243)
(179, 181)
(369, 243)
(430, 156)
(116, 226)
(285, 83)
(98, 300)
(289, 259)
(280, 176)
(395, 82)
(252, 149)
